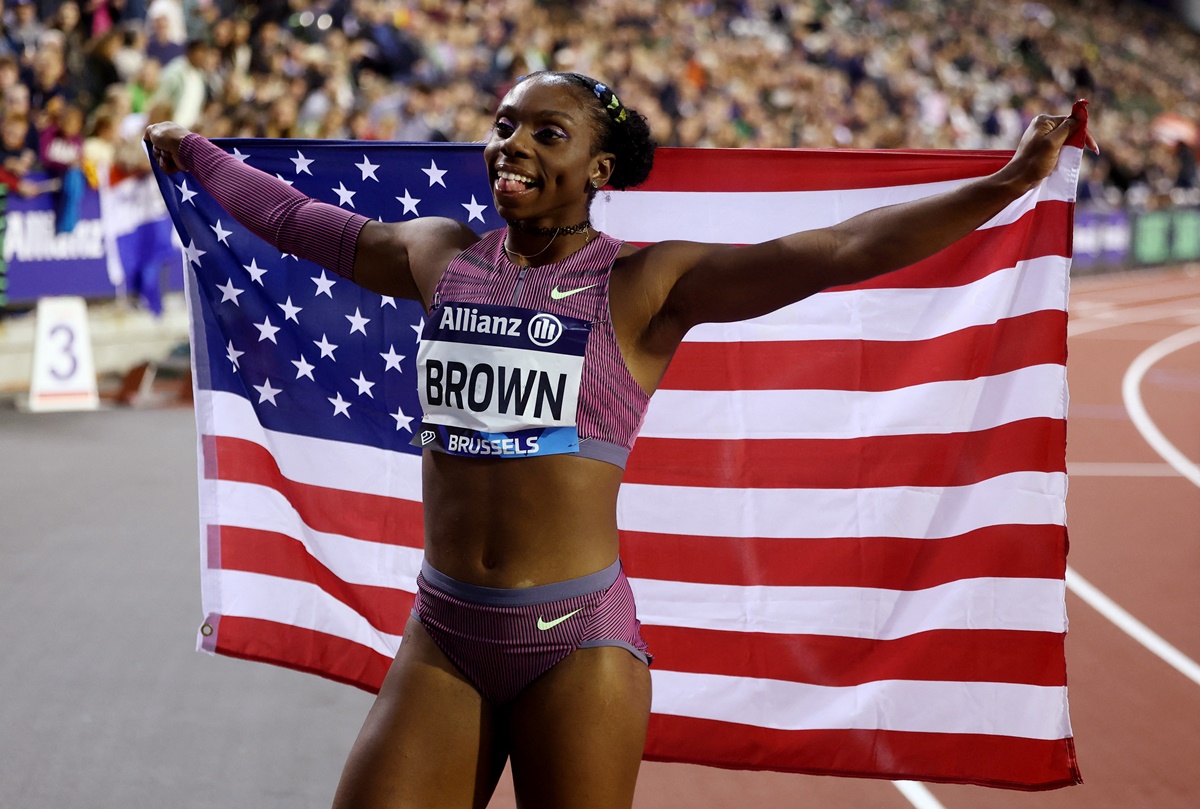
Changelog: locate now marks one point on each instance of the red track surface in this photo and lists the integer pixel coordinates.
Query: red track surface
(1135, 535)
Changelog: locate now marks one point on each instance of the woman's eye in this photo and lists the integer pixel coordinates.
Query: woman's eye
(503, 127)
(551, 134)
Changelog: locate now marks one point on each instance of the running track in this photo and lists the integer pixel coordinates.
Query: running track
(103, 703)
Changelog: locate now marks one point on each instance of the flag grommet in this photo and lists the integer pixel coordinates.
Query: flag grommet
(206, 630)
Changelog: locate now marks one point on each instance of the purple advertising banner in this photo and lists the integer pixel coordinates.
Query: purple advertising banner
(1102, 239)
(42, 262)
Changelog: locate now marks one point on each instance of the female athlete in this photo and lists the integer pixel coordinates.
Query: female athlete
(544, 341)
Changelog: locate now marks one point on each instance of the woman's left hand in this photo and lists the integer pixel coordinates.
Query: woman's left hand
(1038, 150)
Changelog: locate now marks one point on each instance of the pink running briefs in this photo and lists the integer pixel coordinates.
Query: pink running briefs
(503, 640)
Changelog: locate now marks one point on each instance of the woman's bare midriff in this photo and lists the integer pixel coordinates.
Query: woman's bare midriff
(519, 522)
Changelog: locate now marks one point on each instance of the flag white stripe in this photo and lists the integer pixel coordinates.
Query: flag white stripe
(300, 604)
(915, 512)
(317, 461)
(937, 706)
(932, 408)
(748, 217)
(1038, 391)
(353, 560)
(1018, 498)
(902, 315)
(1030, 605)
(993, 709)
(861, 612)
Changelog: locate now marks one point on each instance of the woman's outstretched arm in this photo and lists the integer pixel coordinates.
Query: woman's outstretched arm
(403, 259)
(711, 283)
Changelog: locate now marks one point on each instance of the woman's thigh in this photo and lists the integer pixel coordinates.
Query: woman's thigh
(577, 733)
(429, 740)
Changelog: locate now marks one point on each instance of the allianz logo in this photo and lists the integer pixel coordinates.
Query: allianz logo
(544, 329)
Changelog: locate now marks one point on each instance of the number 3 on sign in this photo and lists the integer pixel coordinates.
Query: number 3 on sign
(70, 362)
(64, 376)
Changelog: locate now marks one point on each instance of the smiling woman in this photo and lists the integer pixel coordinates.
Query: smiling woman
(543, 343)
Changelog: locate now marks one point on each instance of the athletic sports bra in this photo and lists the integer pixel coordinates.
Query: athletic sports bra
(520, 361)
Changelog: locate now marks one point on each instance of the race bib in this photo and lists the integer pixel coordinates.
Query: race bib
(500, 380)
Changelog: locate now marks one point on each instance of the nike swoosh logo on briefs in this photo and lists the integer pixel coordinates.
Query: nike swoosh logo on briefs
(558, 296)
(544, 624)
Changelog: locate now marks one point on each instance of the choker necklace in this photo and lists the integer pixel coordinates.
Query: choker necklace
(581, 228)
(571, 230)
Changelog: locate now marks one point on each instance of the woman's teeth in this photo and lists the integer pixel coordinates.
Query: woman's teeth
(507, 181)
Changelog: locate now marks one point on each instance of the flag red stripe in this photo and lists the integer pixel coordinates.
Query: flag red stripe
(955, 655)
(388, 609)
(1003, 761)
(1043, 231)
(1011, 551)
(987, 760)
(871, 365)
(274, 554)
(950, 459)
(390, 520)
(893, 563)
(742, 170)
(302, 649)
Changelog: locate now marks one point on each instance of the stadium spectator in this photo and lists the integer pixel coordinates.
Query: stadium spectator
(17, 103)
(392, 51)
(173, 11)
(17, 158)
(25, 29)
(10, 72)
(99, 16)
(75, 39)
(100, 146)
(131, 53)
(160, 43)
(184, 82)
(50, 87)
(100, 71)
(145, 85)
(62, 157)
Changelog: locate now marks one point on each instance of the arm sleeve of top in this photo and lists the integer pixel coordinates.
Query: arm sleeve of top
(272, 210)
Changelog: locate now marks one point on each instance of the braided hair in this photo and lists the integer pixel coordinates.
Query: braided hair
(621, 130)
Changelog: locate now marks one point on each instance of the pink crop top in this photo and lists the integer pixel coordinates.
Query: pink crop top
(477, 291)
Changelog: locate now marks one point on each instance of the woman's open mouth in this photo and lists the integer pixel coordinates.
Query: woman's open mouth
(511, 183)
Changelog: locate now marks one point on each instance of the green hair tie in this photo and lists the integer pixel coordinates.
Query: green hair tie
(614, 108)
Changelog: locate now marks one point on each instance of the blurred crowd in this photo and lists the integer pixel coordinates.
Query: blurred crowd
(81, 78)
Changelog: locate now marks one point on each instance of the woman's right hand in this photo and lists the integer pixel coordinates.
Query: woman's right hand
(164, 139)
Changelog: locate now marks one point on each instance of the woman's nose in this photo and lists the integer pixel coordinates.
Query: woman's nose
(517, 143)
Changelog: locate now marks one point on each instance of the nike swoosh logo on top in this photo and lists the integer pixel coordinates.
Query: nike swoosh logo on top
(544, 624)
(558, 295)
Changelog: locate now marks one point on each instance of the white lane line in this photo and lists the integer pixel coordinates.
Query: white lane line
(1120, 470)
(1165, 288)
(1131, 391)
(1088, 323)
(1133, 627)
(1132, 394)
(918, 795)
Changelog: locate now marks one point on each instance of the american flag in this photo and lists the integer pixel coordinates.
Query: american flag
(844, 522)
